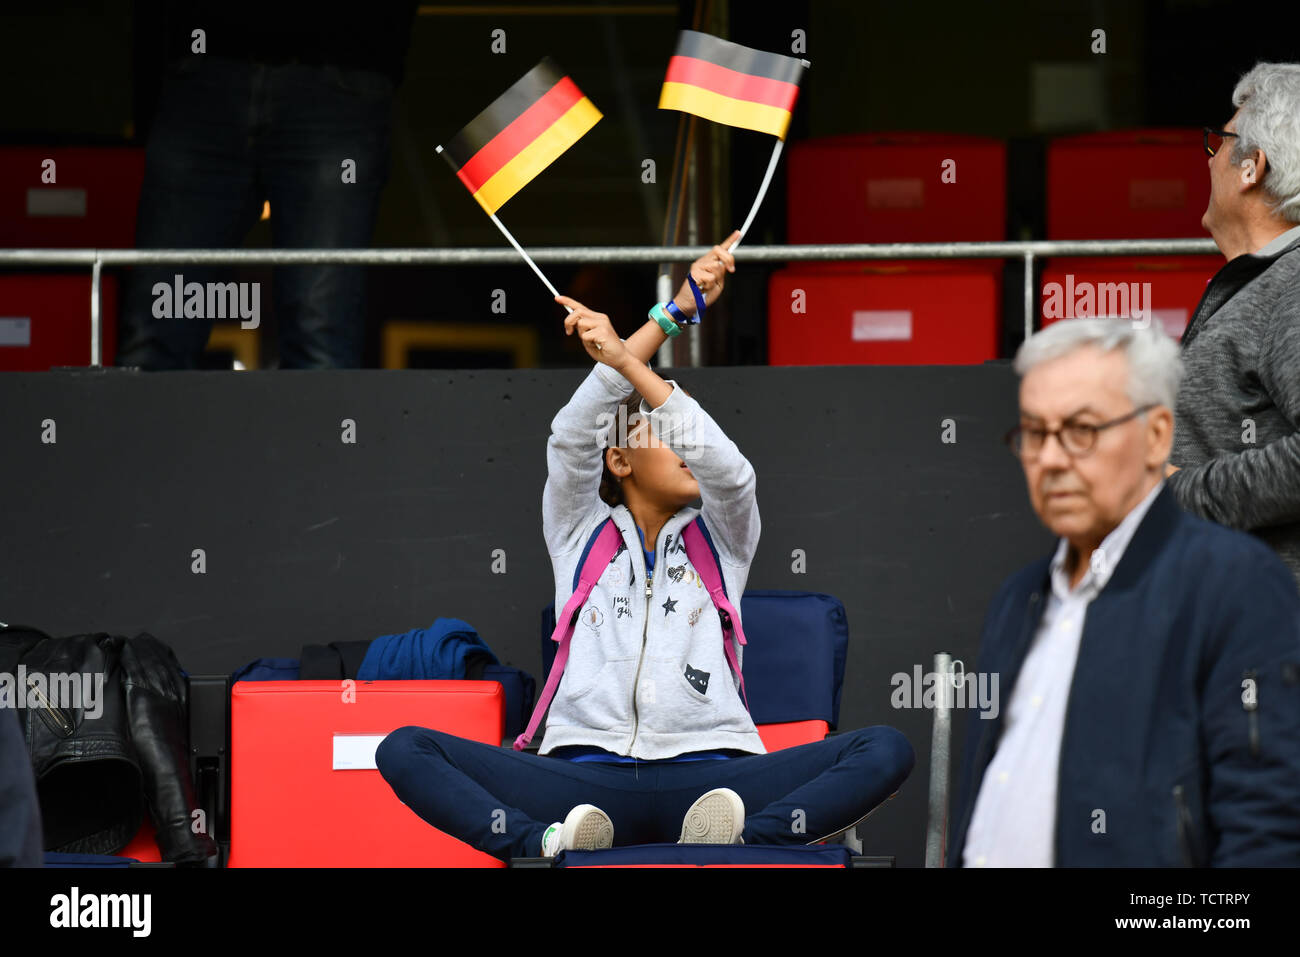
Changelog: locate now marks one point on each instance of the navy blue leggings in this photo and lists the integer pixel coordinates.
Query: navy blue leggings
(500, 801)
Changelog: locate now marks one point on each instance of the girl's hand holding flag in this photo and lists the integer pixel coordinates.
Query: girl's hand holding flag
(709, 272)
(596, 332)
(603, 343)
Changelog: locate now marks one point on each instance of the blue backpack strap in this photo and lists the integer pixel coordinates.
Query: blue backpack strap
(582, 559)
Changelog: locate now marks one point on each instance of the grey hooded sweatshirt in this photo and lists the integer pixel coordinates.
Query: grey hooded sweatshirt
(647, 675)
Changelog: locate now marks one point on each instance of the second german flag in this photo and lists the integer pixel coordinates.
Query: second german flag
(728, 83)
(520, 134)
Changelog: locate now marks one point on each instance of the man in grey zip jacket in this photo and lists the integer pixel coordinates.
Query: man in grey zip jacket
(1236, 449)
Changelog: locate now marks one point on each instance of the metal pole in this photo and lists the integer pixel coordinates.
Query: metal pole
(936, 832)
(1029, 294)
(664, 292)
(601, 255)
(95, 335)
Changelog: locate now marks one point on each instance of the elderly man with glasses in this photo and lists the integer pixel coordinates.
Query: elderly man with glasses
(1238, 439)
(1152, 661)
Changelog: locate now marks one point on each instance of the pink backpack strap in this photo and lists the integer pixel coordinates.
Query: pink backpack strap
(705, 564)
(602, 550)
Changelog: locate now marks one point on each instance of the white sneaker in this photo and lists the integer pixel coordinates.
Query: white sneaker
(585, 828)
(716, 818)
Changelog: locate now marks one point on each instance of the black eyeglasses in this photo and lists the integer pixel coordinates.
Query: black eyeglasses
(1077, 438)
(1213, 139)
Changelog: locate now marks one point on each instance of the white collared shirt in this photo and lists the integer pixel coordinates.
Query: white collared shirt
(1014, 820)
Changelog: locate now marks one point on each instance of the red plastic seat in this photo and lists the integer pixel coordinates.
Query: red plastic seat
(90, 205)
(886, 313)
(1127, 184)
(292, 805)
(1172, 284)
(1130, 184)
(791, 734)
(892, 188)
(45, 321)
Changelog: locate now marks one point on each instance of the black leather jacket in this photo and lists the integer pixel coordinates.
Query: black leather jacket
(95, 775)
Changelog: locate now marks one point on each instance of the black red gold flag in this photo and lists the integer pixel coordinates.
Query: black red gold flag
(521, 133)
(732, 84)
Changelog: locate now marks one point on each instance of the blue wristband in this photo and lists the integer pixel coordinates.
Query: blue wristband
(677, 315)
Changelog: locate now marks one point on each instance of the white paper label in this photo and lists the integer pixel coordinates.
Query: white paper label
(882, 325)
(895, 194)
(356, 752)
(51, 201)
(15, 331)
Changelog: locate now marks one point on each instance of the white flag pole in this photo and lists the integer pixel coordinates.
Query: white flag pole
(527, 258)
(767, 181)
(762, 191)
(520, 249)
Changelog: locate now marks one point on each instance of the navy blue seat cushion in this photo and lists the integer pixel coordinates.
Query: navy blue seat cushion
(825, 855)
(54, 859)
(798, 643)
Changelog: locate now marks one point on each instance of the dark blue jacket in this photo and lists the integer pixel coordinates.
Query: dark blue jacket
(1157, 735)
(439, 651)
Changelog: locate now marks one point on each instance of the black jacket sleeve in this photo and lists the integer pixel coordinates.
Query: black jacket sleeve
(156, 708)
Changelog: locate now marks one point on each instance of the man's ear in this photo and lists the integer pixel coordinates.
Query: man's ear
(1253, 168)
(1160, 429)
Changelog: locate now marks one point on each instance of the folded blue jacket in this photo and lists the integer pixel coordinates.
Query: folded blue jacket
(436, 652)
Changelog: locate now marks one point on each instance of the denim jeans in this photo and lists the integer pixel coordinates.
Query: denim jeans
(227, 136)
(20, 813)
(500, 801)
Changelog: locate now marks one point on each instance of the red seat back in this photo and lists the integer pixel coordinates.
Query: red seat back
(905, 187)
(1127, 184)
(885, 313)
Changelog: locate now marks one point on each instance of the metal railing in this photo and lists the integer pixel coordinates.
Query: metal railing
(1026, 250)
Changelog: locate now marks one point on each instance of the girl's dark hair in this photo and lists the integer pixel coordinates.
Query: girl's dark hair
(611, 491)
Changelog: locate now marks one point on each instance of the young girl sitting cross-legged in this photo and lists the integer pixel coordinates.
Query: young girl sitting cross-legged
(647, 738)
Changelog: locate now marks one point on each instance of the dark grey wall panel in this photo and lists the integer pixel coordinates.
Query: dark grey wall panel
(310, 540)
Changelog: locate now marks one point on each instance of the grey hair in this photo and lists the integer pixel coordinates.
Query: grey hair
(1268, 101)
(1155, 367)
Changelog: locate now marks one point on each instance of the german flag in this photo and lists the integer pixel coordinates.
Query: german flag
(524, 131)
(728, 83)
